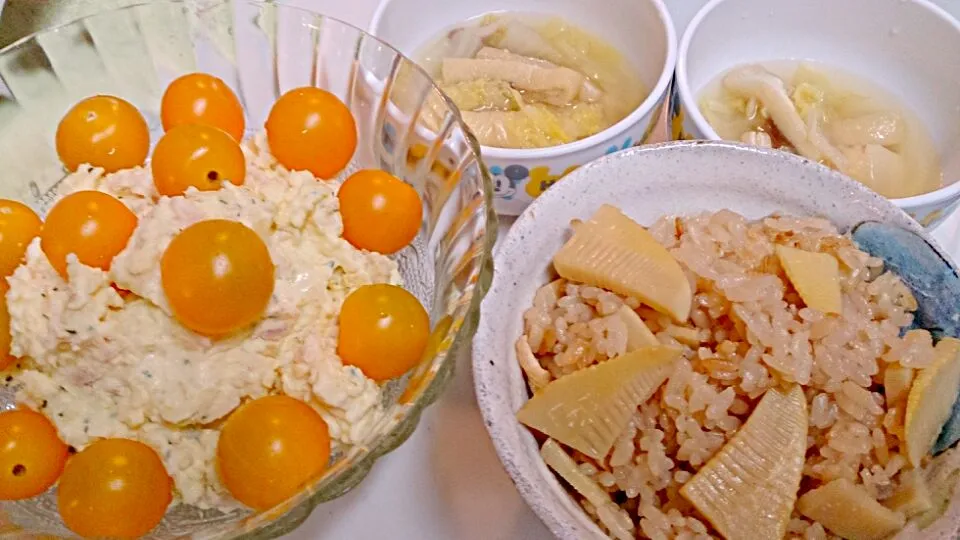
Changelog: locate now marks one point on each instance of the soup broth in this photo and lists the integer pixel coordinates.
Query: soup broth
(829, 116)
(527, 81)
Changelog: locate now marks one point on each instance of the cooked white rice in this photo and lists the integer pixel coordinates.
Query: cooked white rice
(747, 332)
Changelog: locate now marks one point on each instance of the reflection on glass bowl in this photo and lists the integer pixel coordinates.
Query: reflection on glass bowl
(263, 50)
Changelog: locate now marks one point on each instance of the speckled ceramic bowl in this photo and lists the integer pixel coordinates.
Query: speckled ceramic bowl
(674, 178)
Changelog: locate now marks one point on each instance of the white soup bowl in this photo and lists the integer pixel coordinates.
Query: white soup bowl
(909, 48)
(640, 29)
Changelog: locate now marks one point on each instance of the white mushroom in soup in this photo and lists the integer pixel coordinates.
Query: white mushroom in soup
(829, 117)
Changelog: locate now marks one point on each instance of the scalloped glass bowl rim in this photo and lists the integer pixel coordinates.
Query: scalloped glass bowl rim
(457, 335)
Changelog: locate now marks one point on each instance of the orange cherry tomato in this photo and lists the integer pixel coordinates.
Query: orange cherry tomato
(31, 454)
(198, 98)
(103, 131)
(90, 224)
(116, 488)
(196, 155)
(383, 331)
(270, 448)
(218, 276)
(380, 212)
(18, 226)
(309, 129)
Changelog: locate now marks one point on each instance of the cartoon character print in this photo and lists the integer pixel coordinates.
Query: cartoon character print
(505, 180)
(614, 148)
(541, 179)
(677, 117)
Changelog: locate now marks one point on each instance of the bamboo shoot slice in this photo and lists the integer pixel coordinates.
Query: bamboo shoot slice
(941, 476)
(587, 410)
(614, 252)
(687, 336)
(849, 511)
(896, 383)
(611, 515)
(913, 496)
(815, 276)
(748, 489)
(610, 219)
(638, 335)
(537, 377)
(931, 399)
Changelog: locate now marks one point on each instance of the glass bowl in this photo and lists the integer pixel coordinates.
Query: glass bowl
(405, 125)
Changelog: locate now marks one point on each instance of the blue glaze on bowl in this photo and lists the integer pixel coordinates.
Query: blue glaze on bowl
(934, 284)
(933, 281)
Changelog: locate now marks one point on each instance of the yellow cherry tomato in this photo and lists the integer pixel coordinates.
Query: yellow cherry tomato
(103, 131)
(90, 224)
(196, 155)
(198, 98)
(309, 129)
(31, 454)
(380, 212)
(270, 448)
(218, 276)
(383, 331)
(18, 226)
(116, 488)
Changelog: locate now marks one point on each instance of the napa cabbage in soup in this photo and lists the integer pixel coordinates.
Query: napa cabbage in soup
(829, 116)
(526, 81)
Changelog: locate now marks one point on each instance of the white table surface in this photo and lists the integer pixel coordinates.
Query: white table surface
(446, 482)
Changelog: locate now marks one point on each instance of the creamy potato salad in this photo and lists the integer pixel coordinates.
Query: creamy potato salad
(102, 355)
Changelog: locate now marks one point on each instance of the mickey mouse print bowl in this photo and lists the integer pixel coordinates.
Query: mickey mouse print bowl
(433, 32)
